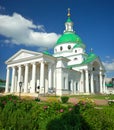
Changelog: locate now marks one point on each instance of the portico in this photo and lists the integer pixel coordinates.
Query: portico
(31, 74)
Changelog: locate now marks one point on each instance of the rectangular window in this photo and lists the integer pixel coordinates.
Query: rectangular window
(76, 86)
(69, 85)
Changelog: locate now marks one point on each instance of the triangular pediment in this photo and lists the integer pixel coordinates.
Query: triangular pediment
(23, 54)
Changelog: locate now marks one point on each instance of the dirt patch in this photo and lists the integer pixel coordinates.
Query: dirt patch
(97, 101)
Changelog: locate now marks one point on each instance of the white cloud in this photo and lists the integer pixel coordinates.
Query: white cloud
(109, 66)
(19, 30)
(41, 28)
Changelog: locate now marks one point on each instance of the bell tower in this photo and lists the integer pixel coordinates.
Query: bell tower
(68, 23)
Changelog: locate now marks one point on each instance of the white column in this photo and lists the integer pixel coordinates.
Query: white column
(92, 84)
(50, 76)
(13, 80)
(33, 78)
(26, 79)
(42, 82)
(87, 82)
(59, 81)
(38, 76)
(19, 77)
(7, 80)
(54, 78)
(82, 82)
(104, 87)
(101, 80)
(72, 86)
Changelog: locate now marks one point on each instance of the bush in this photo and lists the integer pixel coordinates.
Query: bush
(37, 99)
(64, 99)
(111, 102)
(9, 98)
(18, 114)
(98, 119)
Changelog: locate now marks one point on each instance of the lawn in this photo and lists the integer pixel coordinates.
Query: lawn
(95, 96)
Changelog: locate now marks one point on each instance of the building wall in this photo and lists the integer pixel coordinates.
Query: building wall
(67, 81)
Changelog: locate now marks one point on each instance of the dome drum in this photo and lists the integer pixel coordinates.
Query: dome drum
(64, 47)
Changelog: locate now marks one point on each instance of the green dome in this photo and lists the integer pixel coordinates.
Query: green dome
(68, 37)
(69, 20)
(92, 55)
(79, 45)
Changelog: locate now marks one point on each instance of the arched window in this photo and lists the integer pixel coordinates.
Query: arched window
(65, 84)
(61, 48)
(76, 86)
(75, 58)
(69, 85)
(69, 47)
(93, 68)
(75, 51)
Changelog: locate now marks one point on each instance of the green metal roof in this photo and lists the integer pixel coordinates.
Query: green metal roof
(46, 53)
(109, 84)
(69, 20)
(68, 37)
(91, 57)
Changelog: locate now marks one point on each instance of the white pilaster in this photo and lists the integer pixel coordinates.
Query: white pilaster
(101, 80)
(92, 84)
(104, 87)
(71, 86)
(59, 81)
(26, 78)
(33, 78)
(42, 82)
(19, 77)
(7, 80)
(50, 76)
(66, 82)
(54, 77)
(13, 80)
(38, 75)
(82, 82)
(87, 81)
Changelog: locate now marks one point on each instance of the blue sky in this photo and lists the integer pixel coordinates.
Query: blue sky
(36, 24)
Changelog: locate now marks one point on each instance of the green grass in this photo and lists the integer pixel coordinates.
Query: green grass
(94, 96)
(97, 96)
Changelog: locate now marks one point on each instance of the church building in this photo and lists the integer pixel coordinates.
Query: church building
(70, 70)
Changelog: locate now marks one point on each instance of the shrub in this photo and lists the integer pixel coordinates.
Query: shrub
(111, 102)
(30, 115)
(37, 99)
(19, 116)
(98, 119)
(8, 98)
(64, 99)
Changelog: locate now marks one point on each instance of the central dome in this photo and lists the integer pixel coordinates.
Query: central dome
(68, 37)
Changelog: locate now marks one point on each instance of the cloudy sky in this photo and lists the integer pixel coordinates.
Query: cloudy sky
(37, 24)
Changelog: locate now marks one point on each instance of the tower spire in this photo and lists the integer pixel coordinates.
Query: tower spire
(91, 50)
(68, 12)
(68, 23)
